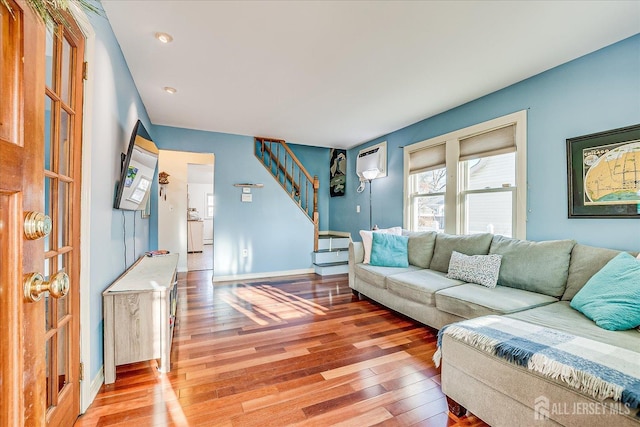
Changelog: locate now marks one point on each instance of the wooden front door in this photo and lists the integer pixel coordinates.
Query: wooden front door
(40, 151)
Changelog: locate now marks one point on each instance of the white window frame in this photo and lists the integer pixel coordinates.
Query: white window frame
(454, 196)
(207, 205)
(413, 196)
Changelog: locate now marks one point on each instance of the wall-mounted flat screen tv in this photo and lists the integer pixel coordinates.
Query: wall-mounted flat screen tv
(138, 169)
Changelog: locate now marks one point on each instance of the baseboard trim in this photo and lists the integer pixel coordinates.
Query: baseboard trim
(216, 279)
(96, 384)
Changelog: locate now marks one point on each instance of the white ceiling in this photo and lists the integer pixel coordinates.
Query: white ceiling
(340, 73)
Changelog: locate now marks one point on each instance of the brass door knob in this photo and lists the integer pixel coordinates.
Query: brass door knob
(36, 225)
(35, 285)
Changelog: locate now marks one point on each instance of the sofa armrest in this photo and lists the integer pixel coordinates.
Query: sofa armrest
(356, 255)
(356, 252)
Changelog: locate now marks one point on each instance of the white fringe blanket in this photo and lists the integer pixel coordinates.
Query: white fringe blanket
(594, 368)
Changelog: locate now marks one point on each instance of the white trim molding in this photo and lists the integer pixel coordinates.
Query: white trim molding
(216, 279)
(87, 393)
(96, 384)
(452, 140)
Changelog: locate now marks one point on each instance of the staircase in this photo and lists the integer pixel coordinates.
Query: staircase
(330, 252)
(285, 167)
(332, 256)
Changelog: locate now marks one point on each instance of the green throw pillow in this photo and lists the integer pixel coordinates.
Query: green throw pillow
(610, 298)
(389, 250)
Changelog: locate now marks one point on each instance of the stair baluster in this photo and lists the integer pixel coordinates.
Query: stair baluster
(264, 151)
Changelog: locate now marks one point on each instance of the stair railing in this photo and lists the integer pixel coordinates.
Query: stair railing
(292, 176)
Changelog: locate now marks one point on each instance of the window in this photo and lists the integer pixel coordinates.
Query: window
(469, 181)
(488, 189)
(428, 200)
(209, 205)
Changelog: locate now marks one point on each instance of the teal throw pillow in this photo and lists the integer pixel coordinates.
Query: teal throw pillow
(389, 250)
(611, 297)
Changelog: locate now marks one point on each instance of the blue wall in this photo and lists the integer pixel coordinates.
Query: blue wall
(116, 107)
(276, 232)
(316, 161)
(597, 92)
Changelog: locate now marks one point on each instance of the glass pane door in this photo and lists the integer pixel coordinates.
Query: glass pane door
(61, 192)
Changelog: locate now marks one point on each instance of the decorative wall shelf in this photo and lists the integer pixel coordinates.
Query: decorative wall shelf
(249, 185)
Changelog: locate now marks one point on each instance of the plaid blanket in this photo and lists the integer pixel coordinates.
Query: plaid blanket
(596, 369)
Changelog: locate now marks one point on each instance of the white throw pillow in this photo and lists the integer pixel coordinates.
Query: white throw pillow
(367, 239)
(480, 269)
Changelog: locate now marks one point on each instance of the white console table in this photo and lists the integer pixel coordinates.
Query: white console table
(139, 314)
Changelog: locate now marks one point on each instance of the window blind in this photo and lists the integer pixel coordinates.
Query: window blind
(427, 159)
(497, 141)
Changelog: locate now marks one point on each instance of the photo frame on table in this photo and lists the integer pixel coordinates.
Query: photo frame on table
(603, 173)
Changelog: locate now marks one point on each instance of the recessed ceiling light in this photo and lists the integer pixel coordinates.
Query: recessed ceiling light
(170, 89)
(164, 37)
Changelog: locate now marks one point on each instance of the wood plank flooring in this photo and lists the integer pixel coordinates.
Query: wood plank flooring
(285, 351)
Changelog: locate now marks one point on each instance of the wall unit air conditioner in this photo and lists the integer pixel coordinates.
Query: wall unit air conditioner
(372, 158)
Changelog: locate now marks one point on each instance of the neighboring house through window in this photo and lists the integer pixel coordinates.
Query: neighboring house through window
(469, 181)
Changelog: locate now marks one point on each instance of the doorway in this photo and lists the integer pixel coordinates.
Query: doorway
(173, 203)
(200, 203)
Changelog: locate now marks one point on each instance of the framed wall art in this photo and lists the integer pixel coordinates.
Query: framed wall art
(604, 174)
(338, 172)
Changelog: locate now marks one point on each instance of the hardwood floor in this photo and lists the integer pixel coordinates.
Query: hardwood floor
(287, 351)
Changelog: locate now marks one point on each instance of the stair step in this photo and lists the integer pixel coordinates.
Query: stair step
(329, 242)
(330, 256)
(331, 264)
(330, 268)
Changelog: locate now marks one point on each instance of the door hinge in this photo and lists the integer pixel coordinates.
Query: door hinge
(82, 364)
(85, 70)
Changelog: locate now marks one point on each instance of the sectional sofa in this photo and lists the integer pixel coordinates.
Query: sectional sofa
(535, 284)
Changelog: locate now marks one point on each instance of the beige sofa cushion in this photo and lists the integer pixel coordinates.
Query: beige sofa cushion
(420, 247)
(420, 286)
(471, 300)
(475, 244)
(562, 317)
(376, 276)
(585, 262)
(540, 267)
